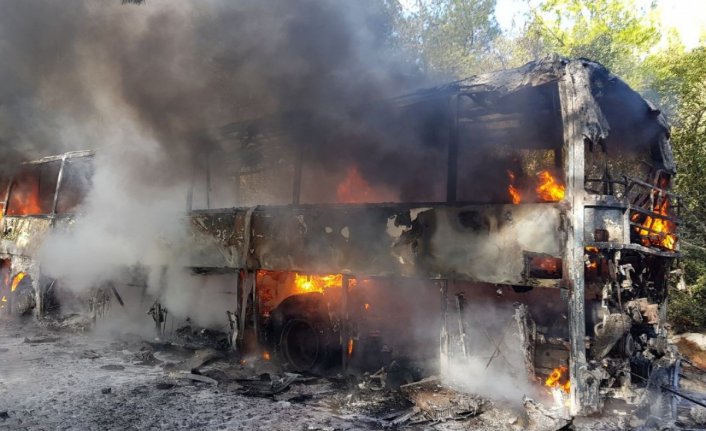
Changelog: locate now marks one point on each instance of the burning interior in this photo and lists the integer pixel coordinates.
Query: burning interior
(540, 193)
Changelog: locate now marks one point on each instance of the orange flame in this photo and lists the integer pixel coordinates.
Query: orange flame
(512, 190)
(556, 377)
(16, 281)
(354, 189)
(350, 347)
(658, 231)
(266, 355)
(316, 283)
(549, 189)
(24, 199)
(4, 299)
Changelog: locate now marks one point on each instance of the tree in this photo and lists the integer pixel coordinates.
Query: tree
(450, 37)
(615, 33)
(678, 79)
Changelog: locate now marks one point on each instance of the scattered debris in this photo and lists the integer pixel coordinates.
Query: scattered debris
(112, 367)
(195, 377)
(41, 340)
(541, 419)
(200, 358)
(698, 414)
(90, 354)
(436, 403)
(268, 386)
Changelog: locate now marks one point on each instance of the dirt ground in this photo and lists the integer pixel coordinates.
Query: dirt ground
(59, 380)
(65, 381)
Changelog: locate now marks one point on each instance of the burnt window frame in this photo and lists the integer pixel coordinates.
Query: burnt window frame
(38, 166)
(66, 162)
(244, 133)
(480, 99)
(88, 154)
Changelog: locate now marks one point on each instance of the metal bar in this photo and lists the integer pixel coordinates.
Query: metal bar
(345, 323)
(575, 99)
(444, 333)
(672, 390)
(7, 196)
(460, 302)
(57, 189)
(246, 284)
(255, 305)
(654, 214)
(656, 232)
(652, 187)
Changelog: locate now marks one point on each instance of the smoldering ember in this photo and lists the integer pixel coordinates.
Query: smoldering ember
(262, 215)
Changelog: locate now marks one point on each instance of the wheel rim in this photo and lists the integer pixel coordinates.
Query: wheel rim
(300, 344)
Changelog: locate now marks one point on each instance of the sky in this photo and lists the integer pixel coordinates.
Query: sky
(687, 16)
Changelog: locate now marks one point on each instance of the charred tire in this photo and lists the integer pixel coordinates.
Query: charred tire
(24, 301)
(302, 334)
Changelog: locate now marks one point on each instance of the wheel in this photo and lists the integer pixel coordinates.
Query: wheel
(303, 336)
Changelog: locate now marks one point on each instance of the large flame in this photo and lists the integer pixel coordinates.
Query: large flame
(17, 280)
(316, 283)
(514, 193)
(24, 200)
(657, 231)
(549, 189)
(354, 188)
(559, 378)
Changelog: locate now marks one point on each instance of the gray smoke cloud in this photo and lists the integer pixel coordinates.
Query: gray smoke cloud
(178, 69)
(149, 87)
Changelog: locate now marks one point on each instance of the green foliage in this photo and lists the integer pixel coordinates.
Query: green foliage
(686, 310)
(451, 37)
(678, 80)
(615, 33)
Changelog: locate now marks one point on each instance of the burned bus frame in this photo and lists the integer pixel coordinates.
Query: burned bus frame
(421, 240)
(609, 241)
(21, 234)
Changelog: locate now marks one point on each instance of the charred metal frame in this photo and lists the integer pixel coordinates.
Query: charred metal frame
(244, 236)
(440, 241)
(35, 227)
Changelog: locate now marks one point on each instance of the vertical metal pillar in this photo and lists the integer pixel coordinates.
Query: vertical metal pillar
(580, 117)
(444, 335)
(345, 323)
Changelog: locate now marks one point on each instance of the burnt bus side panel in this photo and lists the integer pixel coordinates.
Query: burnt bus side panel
(23, 235)
(488, 243)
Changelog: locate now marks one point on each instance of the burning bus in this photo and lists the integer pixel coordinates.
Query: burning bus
(544, 189)
(522, 220)
(41, 196)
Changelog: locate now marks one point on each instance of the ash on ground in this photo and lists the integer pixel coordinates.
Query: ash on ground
(67, 380)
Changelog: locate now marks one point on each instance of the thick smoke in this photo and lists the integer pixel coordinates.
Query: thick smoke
(149, 86)
(495, 366)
